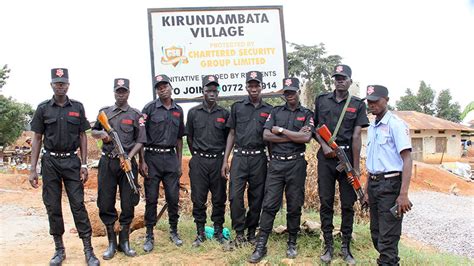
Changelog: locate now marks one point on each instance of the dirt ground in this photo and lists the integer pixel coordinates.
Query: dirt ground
(24, 224)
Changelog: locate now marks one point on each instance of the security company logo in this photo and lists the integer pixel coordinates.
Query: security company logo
(211, 78)
(159, 78)
(253, 75)
(370, 90)
(173, 55)
(339, 69)
(120, 82)
(288, 82)
(59, 72)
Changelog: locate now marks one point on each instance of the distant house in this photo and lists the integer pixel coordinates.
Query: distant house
(433, 139)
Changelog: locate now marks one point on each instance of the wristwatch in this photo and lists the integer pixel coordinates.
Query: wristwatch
(280, 130)
(84, 166)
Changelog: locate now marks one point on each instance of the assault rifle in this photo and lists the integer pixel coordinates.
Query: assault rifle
(124, 160)
(344, 164)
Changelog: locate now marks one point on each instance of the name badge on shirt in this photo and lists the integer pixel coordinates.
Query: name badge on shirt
(301, 118)
(75, 114)
(176, 114)
(220, 120)
(127, 121)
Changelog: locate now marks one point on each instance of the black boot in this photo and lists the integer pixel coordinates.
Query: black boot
(251, 238)
(346, 250)
(124, 243)
(218, 234)
(201, 236)
(59, 253)
(291, 251)
(149, 240)
(328, 251)
(112, 248)
(260, 248)
(174, 236)
(240, 240)
(91, 259)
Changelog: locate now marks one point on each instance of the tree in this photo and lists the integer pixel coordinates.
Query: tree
(4, 75)
(408, 102)
(14, 117)
(425, 98)
(446, 109)
(311, 64)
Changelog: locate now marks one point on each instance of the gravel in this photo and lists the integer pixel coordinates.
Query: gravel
(443, 221)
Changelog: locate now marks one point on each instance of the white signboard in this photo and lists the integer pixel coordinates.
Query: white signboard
(188, 43)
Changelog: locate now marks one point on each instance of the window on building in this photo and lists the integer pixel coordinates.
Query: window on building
(441, 143)
(417, 131)
(441, 131)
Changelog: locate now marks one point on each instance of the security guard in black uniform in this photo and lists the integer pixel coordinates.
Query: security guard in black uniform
(249, 163)
(163, 154)
(130, 127)
(288, 128)
(62, 122)
(327, 110)
(207, 134)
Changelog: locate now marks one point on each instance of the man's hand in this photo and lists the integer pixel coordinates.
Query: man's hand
(328, 152)
(143, 169)
(275, 130)
(126, 165)
(33, 178)
(105, 137)
(404, 204)
(225, 170)
(84, 175)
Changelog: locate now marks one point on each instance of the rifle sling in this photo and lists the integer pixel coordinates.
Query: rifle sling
(341, 117)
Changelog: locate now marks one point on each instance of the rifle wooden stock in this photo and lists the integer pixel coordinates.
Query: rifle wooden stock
(324, 132)
(104, 121)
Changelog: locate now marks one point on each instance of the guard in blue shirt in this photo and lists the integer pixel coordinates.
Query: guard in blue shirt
(389, 165)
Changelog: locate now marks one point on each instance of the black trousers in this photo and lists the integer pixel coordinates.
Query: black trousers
(55, 172)
(251, 170)
(327, 176)
(290, 177)
(205, 176)
(385, 229)
(162, 167)
(111, 175)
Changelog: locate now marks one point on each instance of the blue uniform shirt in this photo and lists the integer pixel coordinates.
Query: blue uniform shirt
(386, 140)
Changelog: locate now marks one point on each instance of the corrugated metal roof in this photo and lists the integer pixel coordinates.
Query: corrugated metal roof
(418, 121)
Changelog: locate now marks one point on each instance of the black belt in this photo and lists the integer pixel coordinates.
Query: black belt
(377, 177)
(249, 151)
(110, 155)
(208, 155)
(280, 157)
(60, 154)
(159, 150)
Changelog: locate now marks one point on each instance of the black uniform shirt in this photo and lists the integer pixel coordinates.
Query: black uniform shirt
(247, 121)
(282, 116)
(129, 124)
(207, 129)
(163, 127)
(60, 125)
(327, 111)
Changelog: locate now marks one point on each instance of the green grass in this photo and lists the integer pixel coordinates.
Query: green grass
(186, 151)
(309, 247)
